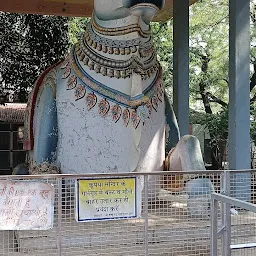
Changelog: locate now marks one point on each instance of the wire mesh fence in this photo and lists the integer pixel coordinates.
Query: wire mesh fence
(172, 215)
(236, 224)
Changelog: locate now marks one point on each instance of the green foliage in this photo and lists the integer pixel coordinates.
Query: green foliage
(208, 52)
(209, 41)
(162, 33)
(253, 122)
(209, 37)
(28, 45)
(217, 123)
(253, 131)
(76, 27)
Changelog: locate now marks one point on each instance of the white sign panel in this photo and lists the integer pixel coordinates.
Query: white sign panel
(106, 199)
(26, 205)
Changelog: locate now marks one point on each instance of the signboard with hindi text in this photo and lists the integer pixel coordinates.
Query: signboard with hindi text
(106, 199)
(26, 205)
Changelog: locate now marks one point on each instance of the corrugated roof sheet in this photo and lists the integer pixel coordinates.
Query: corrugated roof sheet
(13, 112)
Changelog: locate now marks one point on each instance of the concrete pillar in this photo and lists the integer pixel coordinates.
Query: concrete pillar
(181, 64)
(239, 94)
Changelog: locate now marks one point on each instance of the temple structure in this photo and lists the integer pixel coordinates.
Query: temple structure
(77, 93)
(239, 138)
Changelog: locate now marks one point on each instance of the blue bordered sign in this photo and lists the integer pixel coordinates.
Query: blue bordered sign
(106, 199)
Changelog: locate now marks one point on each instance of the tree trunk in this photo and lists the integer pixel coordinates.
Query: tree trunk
(215, 153)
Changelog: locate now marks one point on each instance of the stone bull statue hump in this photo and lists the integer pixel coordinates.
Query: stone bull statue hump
(104, 108)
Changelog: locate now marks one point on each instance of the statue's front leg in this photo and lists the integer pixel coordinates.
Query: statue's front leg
(40, 139)
(187, 156)
(45, 127)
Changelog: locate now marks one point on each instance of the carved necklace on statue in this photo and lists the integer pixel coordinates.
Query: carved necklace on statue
(88, 49)
(86, 52)
(117, 47)
(131, 110)
(116, 68)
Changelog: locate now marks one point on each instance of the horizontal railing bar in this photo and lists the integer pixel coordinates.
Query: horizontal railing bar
(91, 175)
(12, 150)
(184, 172)
(242, 246)
(235, 202)
(129, 174)
(10, 131)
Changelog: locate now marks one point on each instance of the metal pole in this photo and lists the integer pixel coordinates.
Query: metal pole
(227, 233)
(181, 64)
(11, 147)
(222, 213)
(233, 201)
(226, 242)
(59, 228)
(146, 214)
(214, 227)
(239, 84)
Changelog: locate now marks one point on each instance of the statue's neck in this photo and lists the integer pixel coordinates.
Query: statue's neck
(130, 27)
(119, 49)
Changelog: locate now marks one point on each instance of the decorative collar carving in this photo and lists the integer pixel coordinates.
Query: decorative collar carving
(94, 51)
(132, 110)
(116, 68)
(117, 47)
(88, 51)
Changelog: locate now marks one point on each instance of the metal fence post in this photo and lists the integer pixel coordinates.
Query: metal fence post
(214, 227)
(222, 212)
(227, 214)
(59, 214)
(226, 183)
(146, 215)
(11, 148)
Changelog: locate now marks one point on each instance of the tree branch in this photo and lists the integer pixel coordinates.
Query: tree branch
(253, 99)
(226, 80)
(253, 78)
(213, 98)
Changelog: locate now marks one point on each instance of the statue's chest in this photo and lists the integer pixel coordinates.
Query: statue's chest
(102, 128)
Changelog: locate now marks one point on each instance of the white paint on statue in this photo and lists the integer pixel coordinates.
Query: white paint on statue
(89, 143)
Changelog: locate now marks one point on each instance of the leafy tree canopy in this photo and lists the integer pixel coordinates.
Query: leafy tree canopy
(29, 44)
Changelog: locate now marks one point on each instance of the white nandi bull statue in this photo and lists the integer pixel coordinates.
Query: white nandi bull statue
(104, 109)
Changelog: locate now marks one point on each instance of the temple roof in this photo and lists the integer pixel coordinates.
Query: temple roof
(12, 112)
(76, 8)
